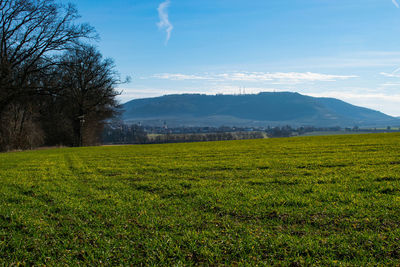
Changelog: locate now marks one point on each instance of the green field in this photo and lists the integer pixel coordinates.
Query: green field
(332, 200)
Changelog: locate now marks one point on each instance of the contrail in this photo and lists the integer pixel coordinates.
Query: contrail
(164, 20)
(396, 71)
(395, 3)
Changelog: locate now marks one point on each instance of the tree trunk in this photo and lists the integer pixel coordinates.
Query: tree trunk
(77, 131)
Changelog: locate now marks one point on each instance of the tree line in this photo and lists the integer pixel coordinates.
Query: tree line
(205, 137)
(55, 86)
(120, 133)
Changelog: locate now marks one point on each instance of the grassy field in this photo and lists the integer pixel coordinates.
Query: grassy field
(332, 200)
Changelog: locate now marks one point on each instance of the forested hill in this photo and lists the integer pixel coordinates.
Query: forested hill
(269, 108)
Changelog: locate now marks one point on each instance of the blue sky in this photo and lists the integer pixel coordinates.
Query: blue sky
(335, 48)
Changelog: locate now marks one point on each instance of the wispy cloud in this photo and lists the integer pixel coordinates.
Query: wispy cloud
(395, 3)
(394, 74)
(396, 70)
(178, 77)
(164, 23)
(282, 77)
(390, 75)
(390, 84)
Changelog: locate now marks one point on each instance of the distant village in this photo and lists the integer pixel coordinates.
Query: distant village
(122, 133)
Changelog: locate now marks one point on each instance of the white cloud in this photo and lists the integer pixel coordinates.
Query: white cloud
(244, 76)
(390, 75)
(390, 85)
(395, 3)
(178, 77)
(164, 23)
(277, 77)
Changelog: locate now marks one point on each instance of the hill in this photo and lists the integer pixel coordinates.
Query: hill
(280, 108)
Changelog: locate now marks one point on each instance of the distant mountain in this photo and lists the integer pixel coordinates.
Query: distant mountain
(281, 108)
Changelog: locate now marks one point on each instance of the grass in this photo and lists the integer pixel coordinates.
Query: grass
(332, 200)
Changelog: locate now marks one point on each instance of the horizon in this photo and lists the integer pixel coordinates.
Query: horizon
(349, 50)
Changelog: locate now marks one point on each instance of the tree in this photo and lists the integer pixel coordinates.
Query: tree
(22, 129)
(32, 32)
(87, 89)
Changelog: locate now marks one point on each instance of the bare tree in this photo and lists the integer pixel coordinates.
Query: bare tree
(23, 130)
(32, 32)
(88, 91)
